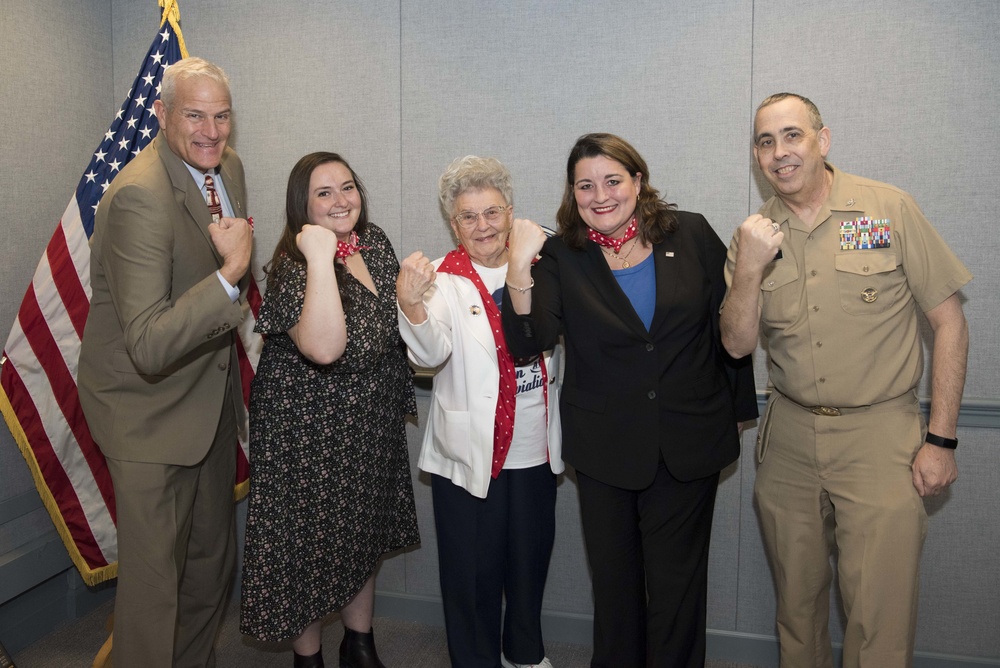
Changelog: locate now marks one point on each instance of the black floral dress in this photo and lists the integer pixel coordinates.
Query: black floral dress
(330, 486)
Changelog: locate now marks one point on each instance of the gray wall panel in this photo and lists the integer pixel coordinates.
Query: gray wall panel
(306, 76)
(724, 557)
(755, 591)
(960, 573)
(401, 88)
(55, 105)
(568, 587)
(421, 564)
(533, 78)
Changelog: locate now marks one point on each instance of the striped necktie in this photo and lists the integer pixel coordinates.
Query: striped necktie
(212, 198)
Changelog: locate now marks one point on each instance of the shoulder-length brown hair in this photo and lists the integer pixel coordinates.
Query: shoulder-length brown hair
(297, 205)
(297, 211)
(654, 216)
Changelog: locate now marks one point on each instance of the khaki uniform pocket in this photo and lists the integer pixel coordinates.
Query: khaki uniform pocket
(870, 281)
(764, 431)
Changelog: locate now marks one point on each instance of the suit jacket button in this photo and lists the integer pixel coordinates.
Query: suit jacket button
(652, 394)
(223, 366)
(650, 347)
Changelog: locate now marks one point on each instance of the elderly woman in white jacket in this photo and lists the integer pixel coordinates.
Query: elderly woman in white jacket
(493, 477)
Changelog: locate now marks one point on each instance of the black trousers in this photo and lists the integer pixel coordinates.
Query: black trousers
(490, 549)
(648, 552)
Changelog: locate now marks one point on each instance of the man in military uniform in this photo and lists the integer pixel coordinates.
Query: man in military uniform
(832, 271)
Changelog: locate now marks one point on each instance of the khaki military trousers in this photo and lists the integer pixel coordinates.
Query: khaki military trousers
(843, 484)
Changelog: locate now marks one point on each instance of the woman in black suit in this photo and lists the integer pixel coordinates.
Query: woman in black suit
(650, 401)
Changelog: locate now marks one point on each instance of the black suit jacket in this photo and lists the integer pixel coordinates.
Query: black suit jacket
(630, 395)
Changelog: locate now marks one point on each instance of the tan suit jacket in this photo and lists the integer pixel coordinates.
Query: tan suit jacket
(158, 347)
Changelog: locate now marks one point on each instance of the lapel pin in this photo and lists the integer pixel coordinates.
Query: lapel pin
(668, 254)
(474, 310)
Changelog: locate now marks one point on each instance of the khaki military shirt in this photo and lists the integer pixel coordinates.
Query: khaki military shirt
(840, 323)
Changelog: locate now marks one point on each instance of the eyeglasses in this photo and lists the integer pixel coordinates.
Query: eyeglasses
(471, 219)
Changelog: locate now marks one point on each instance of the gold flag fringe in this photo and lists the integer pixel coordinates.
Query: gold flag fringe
(172, 13)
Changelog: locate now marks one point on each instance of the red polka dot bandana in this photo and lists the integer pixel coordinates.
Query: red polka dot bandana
(608, 242)
(346, 249)
(457, 262)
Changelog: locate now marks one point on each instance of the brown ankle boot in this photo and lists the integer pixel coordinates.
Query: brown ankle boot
(311, 661)
(358, 650)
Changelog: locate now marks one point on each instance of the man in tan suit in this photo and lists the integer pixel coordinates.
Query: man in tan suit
(159, 380)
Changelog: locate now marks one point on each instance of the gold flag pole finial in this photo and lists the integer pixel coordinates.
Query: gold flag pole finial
(172, 13)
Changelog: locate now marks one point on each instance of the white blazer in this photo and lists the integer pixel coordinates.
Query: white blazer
(456, 338)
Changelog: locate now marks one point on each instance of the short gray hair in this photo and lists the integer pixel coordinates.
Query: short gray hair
(188, 68)
(811, 109)
(473, 173)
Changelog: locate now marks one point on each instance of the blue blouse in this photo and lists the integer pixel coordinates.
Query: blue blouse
(639, 285)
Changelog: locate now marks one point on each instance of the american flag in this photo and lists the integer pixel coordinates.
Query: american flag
(38, 393)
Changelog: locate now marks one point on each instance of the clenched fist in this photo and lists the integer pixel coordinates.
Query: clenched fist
(318, 244)
(416, 276)
(760, 239)
(524, 243)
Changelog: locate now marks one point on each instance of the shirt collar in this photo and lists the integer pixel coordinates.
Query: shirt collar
(844, 196)
(199, 176)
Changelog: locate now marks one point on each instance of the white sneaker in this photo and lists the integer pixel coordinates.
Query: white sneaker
(507, 664)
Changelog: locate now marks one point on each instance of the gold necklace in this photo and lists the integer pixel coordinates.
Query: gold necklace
(623, 260)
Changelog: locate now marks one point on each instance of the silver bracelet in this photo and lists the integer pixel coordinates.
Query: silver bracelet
(522, 290)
